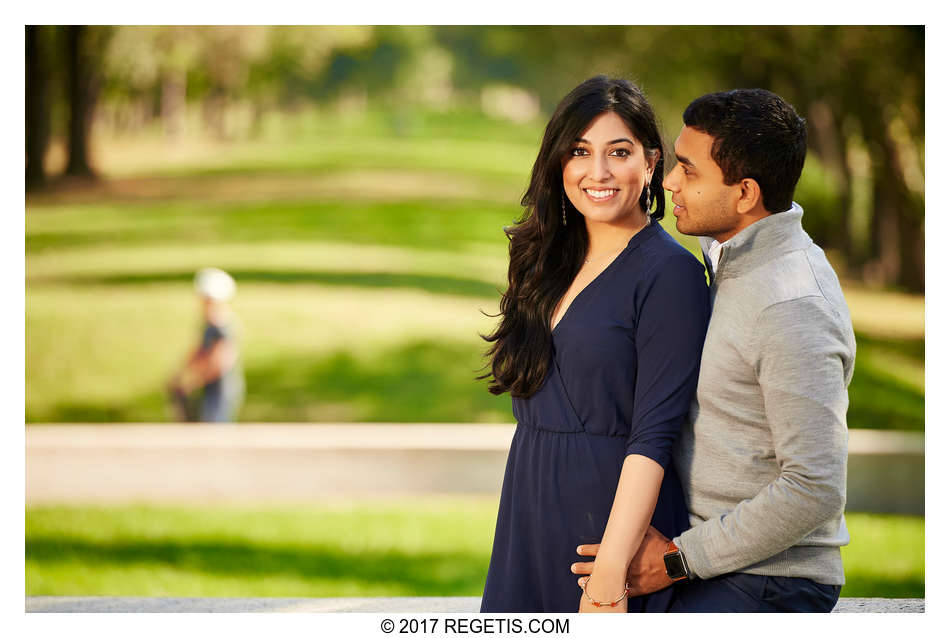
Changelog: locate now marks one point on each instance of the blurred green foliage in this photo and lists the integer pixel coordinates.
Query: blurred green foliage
(859, 87)
(364, 266)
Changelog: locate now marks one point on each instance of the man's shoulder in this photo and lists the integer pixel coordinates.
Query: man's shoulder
(799, 294)
(799, 274)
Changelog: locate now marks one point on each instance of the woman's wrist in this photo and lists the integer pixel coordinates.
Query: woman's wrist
(607, 577)
(600, 590)
(610, 566)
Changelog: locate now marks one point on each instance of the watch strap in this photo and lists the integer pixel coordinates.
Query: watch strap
(675, 562)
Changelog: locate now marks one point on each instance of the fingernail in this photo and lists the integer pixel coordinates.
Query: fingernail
(578, 550)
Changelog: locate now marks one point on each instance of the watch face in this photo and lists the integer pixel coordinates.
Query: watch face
(675, 567)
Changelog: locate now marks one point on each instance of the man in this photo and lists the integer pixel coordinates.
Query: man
(763, 455)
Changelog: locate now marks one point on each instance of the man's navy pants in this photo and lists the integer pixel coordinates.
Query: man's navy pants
(753, 593)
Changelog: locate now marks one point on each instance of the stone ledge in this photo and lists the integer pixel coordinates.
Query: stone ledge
(439, 605)
(300, 463)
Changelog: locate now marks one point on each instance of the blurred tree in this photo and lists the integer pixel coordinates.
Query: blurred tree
(859, 87)
(146, 74)
(220, 74)
(296, 61)
(83, 47)
(179, 51)
(131, 72)
(371, 66)
(38, 102)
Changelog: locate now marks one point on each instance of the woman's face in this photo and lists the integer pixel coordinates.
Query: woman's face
(606, 170)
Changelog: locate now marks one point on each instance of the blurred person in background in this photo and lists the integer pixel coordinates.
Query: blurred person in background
(209, 387)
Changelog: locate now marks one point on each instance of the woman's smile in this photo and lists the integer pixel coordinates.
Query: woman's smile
(600, 195)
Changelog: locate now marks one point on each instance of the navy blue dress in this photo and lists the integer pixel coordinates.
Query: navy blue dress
(620, 381)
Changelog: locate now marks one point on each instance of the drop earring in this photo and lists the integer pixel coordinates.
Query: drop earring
(563, 211)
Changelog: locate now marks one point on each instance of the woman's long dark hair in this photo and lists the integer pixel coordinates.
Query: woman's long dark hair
(544, 255)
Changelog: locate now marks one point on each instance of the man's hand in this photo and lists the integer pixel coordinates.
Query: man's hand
(647, 571)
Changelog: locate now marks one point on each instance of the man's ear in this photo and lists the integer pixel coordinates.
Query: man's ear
(750, 195)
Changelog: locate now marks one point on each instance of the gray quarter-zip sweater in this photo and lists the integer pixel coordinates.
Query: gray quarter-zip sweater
(763, 456)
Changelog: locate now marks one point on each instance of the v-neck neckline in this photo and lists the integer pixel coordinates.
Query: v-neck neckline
(630, 243)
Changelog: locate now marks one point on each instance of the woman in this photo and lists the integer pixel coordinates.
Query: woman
(599, 345)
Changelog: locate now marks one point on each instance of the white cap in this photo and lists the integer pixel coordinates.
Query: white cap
(215, 284)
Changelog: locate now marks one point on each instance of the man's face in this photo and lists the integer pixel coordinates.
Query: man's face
(704, 204)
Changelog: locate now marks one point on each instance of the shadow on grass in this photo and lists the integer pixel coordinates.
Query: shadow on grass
(150, 407)
(443, 224)
(420, 381)
(439, 284)
(434, 381)
(398, 573)
(910, 348)
(869, 586)
(879, 398)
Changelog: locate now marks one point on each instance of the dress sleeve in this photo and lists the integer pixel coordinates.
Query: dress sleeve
(670, 317)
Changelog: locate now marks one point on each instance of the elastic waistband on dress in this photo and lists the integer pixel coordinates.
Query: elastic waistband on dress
(540, 428)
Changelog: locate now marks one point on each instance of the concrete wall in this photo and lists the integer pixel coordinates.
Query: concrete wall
(451, 605)
(301, 462)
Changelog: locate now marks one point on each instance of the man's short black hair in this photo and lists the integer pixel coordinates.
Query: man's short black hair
(757, 135)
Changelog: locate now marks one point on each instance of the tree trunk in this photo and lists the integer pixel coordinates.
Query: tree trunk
(213, 110)
(825, 137)
(897, 226)
(885, 267)
(37, 105)
(912, 254)
(173, 103)
(81, 92)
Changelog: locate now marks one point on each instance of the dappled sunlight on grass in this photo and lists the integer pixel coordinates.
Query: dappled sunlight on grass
(461, 141)
(885, 556)
(365, 251)
(419, 223)
(431, 546)
(438, 284)
(311, 352)
(887, 390)
(886, 314)
(357, 184)
(487, 261)
(417, 381)
(393, 549)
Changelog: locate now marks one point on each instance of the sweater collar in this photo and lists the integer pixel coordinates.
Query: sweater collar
(763, 241)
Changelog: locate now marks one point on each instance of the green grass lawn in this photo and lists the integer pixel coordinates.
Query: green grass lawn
(366, 251)
(423, 547)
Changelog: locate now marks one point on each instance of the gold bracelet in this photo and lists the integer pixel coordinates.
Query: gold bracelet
(597, 603)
